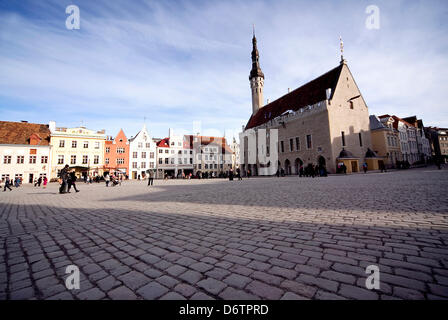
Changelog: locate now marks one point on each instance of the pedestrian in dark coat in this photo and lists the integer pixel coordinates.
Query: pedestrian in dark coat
(7, 184)
(63, 175)
(72, 181)
(150, 178)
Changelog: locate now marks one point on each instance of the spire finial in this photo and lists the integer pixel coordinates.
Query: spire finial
(253, 29)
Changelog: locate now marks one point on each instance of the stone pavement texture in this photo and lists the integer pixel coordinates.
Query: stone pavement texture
(262, 238)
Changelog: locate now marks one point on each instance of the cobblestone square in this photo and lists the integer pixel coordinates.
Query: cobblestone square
(260, 238)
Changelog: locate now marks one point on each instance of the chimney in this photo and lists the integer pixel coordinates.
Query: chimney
(328, 93)
(52, 126)
(267, 101)
(289, 90)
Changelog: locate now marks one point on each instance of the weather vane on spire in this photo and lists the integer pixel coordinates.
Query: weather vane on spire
(253, 29)
(341, 44)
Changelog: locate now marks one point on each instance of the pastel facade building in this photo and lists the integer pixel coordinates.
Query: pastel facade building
(116, 154)
(81, 148)
(25, 150)
(385, 140)
(422, 142)
(414, 145)
(142, 154)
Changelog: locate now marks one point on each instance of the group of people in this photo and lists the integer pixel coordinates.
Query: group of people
(238, 174)
(310, 170)
(67, 180)
(41, 180)
(113, 179)
(313, 170)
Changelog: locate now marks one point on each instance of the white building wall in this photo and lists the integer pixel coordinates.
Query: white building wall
(179, 157)
(141, 148)
(28, 171)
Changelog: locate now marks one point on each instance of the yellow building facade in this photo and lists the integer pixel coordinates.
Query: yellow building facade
(385, 140)
(82, 149)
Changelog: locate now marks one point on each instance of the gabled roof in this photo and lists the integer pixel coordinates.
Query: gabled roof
(375, 123)
(308, 94)
(142, 130)
(20, 133)
(397, 120)
(412, 120)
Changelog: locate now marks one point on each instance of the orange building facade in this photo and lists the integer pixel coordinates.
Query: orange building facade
(116, 155)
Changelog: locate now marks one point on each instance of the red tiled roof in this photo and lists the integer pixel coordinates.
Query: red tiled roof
(308, 94)
(397, 119)
(20, 133)
(164, 143)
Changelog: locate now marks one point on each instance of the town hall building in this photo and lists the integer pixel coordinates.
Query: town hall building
(324, 122)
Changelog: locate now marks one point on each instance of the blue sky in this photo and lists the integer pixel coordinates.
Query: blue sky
(177, 62)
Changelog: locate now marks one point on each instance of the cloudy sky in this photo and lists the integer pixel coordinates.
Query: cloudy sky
(179, 62)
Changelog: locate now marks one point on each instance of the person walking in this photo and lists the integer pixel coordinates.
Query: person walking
(107, 179)
(312, 171)
(63, 175)
(150, 178)
(316, 171)
(45, 182)
(364, 167)
(238, 174)
(7, 184)
(72, 181)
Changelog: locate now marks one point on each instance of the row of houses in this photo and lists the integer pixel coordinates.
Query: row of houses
(29, 151)
(400, 140)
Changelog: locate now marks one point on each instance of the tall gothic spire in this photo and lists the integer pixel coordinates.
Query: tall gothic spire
(256, 70)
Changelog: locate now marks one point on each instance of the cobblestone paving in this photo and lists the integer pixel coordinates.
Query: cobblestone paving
(262, 238)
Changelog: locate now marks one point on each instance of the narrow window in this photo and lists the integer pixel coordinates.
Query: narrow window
(309, 144)
(343, 138)
(360, 139)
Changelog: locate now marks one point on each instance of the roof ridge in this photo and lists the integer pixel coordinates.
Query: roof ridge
(309, 93)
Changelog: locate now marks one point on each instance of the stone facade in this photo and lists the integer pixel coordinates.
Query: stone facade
(315, 123)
